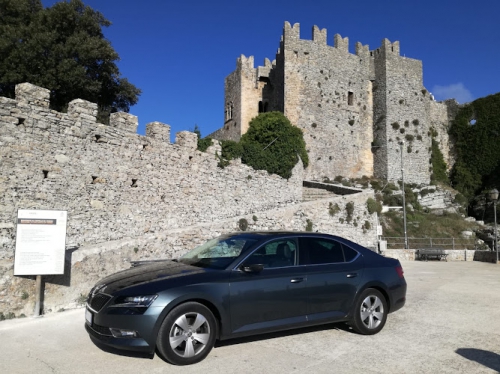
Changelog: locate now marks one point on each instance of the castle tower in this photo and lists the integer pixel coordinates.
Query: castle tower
(401, 114)
(327, 93)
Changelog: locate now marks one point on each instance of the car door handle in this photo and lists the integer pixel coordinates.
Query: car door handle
(297, 280)
(352, 275)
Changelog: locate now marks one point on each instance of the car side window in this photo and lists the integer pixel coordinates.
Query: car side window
(276, 254)
(349, 253)
(322, 251)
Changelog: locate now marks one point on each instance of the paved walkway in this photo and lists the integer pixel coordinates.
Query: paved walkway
(450, 324)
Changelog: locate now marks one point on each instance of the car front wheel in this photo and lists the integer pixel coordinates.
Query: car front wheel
(370, 312)
(187, 334)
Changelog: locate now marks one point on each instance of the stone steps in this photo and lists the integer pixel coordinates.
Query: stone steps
(311, 194)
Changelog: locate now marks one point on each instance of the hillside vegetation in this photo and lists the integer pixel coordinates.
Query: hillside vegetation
(476, 133)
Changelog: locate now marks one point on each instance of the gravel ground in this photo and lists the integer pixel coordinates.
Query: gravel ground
(450, 324)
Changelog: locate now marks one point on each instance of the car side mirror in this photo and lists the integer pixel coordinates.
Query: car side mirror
(254, 268)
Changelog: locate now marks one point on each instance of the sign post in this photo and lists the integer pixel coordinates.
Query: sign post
(40, 246)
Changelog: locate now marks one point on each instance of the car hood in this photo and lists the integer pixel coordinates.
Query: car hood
(146, 273)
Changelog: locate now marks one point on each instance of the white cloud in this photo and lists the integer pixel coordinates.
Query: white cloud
(455, 91)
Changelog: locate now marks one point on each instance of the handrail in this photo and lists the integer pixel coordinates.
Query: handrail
(444, 243)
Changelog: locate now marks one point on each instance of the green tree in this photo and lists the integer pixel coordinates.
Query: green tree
(62, 48)
(272, 143)
(477, 146)
(203, 143)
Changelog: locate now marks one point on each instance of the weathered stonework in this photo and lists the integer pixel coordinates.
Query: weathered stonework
(354, 109)
(130, 197)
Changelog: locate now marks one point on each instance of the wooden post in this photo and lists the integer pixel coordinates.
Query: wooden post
(38, 296)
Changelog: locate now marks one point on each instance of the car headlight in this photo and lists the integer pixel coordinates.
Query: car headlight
(135, 301)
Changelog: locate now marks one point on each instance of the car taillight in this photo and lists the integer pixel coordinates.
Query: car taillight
(399, 270)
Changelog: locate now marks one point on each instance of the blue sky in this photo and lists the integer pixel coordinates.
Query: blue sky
(179, 52)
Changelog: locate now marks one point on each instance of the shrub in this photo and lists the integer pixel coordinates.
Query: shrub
(204, 143)
(409, 137)
(272, 143)
(415, 122)
(254, 218)
(309, 225)
(333, 209)
(351, 122)
(349, 207)
(367, 225)
(439, 167)
(243, 224)
(373, 206)
(460, 199)
(231, 150)
(24, 295)
(395, 125)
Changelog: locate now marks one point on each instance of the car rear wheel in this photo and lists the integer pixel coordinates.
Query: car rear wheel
(370, 312)
(187, 334)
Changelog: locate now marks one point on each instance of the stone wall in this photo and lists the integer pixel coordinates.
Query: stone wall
(453, 254)
(130, 196)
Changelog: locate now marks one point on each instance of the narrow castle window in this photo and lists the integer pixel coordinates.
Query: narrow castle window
(261, 107)
(350, 98)
(229, 111)
(45, 174)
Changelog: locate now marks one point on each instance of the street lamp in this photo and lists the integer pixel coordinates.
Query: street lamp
(494, 197)
(403, 187)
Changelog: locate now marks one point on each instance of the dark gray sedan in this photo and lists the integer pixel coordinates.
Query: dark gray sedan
(243, 284)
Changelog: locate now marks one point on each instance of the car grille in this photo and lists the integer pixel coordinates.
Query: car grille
(101, 330)
(96, 302)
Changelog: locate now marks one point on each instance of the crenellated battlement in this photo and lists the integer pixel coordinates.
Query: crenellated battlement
(388, 49)
(244, 62)
(30, 108)
(319, 36)
(342, 44)
(291, 34)
(362, 50)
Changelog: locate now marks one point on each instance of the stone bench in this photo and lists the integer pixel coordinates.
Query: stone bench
(426, 253)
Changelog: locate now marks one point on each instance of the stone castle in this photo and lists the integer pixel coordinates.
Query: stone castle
(355, 109)
(131, 197)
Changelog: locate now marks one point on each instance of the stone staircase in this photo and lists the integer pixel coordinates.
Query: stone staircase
(310, 194)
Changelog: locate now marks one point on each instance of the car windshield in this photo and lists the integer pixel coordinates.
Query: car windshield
(218, 253)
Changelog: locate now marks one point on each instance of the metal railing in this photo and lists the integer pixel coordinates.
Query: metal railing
(441, 243)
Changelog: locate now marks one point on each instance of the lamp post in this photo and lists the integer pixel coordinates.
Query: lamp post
(494, 197)
(404, 201)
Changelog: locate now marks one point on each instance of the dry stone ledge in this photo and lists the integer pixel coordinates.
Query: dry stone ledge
(124, 121)
(30, 94)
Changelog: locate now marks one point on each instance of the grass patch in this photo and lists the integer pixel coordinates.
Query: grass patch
(424, 225)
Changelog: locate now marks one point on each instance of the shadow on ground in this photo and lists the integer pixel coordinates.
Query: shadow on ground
(486, 358)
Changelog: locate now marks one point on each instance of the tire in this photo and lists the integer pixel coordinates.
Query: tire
(187, 334)
(370, 312)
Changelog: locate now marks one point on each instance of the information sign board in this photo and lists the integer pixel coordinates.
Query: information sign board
(40, 242)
